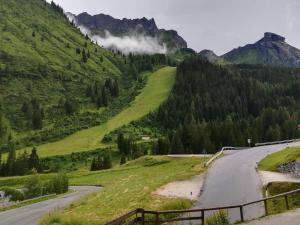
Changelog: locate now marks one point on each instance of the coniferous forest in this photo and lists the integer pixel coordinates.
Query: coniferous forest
(213, 106)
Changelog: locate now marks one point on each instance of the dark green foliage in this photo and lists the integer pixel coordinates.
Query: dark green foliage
(4, 129)
(218, 218)
(102, 162)
(20, 165)
(13, 194)
(57, 8)
(212, 106)
(123, 160)
(34, 161)
(162, 147)
(84, 56)
(101, 94)
(58, 184)
(71, 106)
(34, 187)
(128, 147)
(33, 112)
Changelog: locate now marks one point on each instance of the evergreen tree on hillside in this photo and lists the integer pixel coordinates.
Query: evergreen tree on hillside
(176, 145)
(11, 159)
(34, 161)
(84, 56)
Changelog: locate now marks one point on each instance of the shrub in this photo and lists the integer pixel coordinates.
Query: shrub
(34, 187)
(13, 194)
(58, 184)
(219, 218)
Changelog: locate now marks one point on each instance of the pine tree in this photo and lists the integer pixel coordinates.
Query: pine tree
(93, 165)
(120, 141)
(177, 146)
(34, 161)
(11, 159)
(107, 161)
(84, 56)
(123, 160)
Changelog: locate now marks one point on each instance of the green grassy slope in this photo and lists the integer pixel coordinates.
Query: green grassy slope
(128, 187)
(38, 60)
(156, 91)
(271, 162)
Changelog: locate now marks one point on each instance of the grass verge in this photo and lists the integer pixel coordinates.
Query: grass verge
(152, 95)
(33, 201)
(278, 205)
(128, 187)
(272, 161)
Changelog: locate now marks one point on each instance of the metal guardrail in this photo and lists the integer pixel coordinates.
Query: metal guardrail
(142, 216)
(218, 154)
(276, 142)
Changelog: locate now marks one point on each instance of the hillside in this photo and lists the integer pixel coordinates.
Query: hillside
(155, 93)
(55, 81)
(214, 106)
(101, 23)
(271, 50)
(46, 65)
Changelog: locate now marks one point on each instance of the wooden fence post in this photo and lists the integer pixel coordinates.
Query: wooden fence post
(266, 207)
(157, 222)
(242, 213)
(202, 217)
(143, 217)
(286, 202)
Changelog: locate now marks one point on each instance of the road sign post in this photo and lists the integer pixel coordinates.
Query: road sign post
(249, 142)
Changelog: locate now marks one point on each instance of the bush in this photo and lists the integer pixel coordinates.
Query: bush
(58, 184)
(34, 187)
(13, 194)
(219, 218)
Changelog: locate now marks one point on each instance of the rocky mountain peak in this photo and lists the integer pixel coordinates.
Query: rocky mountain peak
(272, 37)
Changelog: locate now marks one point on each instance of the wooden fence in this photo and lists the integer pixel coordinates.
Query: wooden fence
(142, 216)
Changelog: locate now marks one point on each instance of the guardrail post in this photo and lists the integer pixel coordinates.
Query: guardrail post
(266, 207)
(242, 213)
(286, 202)
(157, 222)
(202, 217)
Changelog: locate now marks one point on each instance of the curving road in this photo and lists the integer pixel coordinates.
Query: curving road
(233, 180)
(31, 214)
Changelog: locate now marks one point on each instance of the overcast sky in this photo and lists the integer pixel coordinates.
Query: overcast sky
(219, 25)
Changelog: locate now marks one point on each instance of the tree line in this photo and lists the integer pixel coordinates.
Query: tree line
(20, 164)
(101, 94)
(212, 106)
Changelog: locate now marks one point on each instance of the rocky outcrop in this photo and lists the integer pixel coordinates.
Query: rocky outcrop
(210, 56)
(291, 168)
(270, 50)
(101, 23)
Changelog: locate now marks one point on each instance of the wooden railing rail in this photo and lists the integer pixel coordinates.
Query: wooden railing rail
(141, 216)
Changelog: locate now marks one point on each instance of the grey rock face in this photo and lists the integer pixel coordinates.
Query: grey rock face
(270, 50)
(291, 168)
(100, 23)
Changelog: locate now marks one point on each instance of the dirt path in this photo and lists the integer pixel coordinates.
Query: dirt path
(268, 177)
(189, 189)
(288, 218)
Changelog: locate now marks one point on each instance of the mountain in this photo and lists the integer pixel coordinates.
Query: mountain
(211, 56)
(46, 65)
(270, 50)
(101, 23)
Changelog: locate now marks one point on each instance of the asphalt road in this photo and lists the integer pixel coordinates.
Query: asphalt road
(233, 180)
(31, 214)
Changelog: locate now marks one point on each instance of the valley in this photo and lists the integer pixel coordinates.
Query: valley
(115, 102)
(155, 93)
